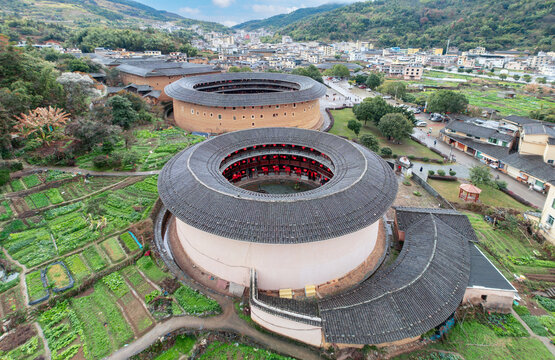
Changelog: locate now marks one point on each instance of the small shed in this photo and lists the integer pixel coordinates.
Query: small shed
(469, 192)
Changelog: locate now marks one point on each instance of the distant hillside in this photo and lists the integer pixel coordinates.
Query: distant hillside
(496, 24)
(119, 12)
(285, 19)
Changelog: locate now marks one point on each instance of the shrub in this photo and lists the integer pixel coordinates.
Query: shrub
(151, 296)
(452, 172)
(394, 156)
(406, 183)
(548, 304)
(411, 157)
(417, 193)
(431, 172)
(500, 184)
(521, 310)
(4, 176)
(386, 151)
(425, 159)
(441, 172)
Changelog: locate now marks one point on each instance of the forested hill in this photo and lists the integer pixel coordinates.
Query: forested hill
(496, 24)
(282, 20)
(79, 12)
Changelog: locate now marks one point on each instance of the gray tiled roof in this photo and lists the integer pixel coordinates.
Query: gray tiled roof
(184, 90)
(532, 165)
(538, 129)
(521, 120)
(484, 274)
(415, 294)
(476, 130)
(164, 68)
(194, 190)
(498, 152)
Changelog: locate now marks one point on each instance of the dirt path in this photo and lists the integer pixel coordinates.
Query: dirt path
(22, 283)
(91, 172)
(47, 354)
(228, 321)
(543, 339)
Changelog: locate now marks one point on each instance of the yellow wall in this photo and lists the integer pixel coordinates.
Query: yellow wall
(532, 144)
(549, 153)
(201, 118)
(549, 210)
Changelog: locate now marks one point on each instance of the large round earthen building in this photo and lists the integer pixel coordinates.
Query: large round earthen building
(226, 102)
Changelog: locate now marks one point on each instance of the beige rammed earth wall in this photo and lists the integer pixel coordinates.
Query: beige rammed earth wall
(306, 333)
(191, 117)
(549, 210)
(278, 266)
(499, 300)
(532, 144)
(157, 82)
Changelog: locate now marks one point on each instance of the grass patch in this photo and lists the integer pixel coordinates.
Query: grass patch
(113, 249)
(93, 258)
(151, 270)
(54, 196)
(17, 185)
(489, 196)
(182, 346)
(219, 350)
(57, 276)
(194, 302)
(475, 341)
(408, 146)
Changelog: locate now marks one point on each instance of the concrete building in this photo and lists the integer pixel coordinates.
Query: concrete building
(547, 225)
(235, 101)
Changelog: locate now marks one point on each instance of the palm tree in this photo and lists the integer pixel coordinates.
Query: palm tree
(41, 122)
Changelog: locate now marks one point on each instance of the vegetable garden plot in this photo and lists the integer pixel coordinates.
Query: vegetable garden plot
(17, 185)
(136, 313)
(137, 281)
(195, 303)
(32, 349)
(31, 181)
(37, 200)
(129, 243)
(31, 247)
(64, 332)
(5, 210)
(151, 270)
(11, 301)
(72, 231)
(35, 286)
(54, 196)
(93, 258)
(77, 267)
(219, 350)
(113, 249)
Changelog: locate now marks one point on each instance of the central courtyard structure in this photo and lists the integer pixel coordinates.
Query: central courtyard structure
(299, 218)
(226, 102)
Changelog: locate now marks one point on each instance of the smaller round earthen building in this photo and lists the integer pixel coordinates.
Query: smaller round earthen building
(235, 101)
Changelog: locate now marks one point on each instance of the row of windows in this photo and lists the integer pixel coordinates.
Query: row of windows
(244, 117)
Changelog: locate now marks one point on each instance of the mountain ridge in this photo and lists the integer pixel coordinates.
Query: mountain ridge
(286, 19)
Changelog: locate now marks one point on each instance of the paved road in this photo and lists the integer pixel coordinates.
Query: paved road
(536, 198)
(228, 321)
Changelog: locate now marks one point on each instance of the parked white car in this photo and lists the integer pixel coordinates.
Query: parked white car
(421, 124)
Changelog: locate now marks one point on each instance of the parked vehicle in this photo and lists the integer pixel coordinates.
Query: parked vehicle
(436, 117)
(421, 124)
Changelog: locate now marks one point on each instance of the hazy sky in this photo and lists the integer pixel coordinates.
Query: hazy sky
(231, 12)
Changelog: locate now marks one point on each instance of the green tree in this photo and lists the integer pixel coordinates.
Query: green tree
(123, 113)
(338, 70)
(372, 109)
(481, 175)
(374, 80)
(310, 71)
(447, 101)
(398, 89)
(541, 80)
(502, 76)
(77, 65)
(395, 126)
(370, 141)
(355, 126)
(516, 77)
(359, 79)
(526, 78)
(235, 69)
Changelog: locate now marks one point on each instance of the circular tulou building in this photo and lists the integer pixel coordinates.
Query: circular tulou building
(297, 216)
(239, 204)
(235, 101)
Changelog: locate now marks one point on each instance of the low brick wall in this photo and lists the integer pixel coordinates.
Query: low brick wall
(444, 203)
(332, 119)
